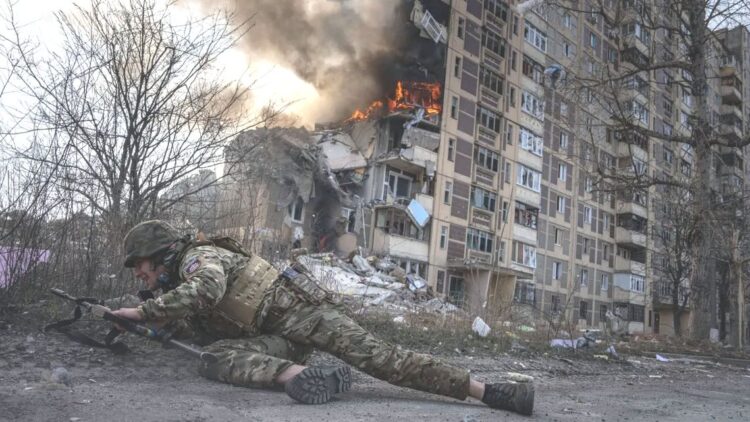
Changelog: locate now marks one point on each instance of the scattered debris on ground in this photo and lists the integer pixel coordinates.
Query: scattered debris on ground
(376, 282)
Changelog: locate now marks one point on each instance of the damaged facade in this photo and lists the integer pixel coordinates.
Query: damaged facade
(477, 190)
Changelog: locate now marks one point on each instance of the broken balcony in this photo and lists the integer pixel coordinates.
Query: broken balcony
(398, 233)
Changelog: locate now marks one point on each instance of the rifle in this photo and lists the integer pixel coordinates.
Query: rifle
(98, 310)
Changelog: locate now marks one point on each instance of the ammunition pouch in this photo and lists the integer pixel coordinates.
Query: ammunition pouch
(305, 286)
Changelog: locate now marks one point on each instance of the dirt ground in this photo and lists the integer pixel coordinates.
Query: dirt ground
(154, 384)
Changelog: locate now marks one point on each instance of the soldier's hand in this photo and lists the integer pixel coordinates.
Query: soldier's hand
(127, 313)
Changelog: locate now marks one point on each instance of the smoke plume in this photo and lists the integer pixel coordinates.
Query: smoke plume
(351, 51)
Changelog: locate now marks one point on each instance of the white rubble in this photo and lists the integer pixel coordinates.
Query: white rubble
(376, 285)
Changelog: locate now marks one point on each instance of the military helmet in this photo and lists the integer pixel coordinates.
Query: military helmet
(147, 239)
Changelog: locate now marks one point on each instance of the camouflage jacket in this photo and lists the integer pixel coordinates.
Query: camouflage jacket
(204, 273)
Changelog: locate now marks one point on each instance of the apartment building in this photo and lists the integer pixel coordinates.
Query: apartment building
(523, 212)
(499, 197)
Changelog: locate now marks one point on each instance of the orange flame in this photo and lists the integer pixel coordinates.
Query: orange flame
(407, 96)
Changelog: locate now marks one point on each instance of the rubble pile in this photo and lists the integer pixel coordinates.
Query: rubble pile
(377, 282)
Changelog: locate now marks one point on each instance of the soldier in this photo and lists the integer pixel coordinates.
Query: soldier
(263, 324)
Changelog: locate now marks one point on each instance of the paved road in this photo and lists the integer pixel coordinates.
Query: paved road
(158, 385)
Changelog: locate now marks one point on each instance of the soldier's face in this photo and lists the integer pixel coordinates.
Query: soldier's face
(145, 270)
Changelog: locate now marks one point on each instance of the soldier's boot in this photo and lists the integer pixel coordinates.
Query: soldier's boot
(317, 384)
(516, 397)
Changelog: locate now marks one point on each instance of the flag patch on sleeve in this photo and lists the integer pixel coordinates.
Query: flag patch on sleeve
(192, 265)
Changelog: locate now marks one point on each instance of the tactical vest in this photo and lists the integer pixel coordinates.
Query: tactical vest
(245, 288)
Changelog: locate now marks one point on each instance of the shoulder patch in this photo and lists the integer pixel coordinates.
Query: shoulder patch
(192, 265)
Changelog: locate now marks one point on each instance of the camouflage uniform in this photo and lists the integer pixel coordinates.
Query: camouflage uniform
(294, 317)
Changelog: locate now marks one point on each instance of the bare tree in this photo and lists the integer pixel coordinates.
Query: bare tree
(671, 254)
(132, 102)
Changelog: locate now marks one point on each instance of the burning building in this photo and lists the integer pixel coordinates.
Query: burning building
(413, 171)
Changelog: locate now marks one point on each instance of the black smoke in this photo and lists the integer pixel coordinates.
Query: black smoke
(352, 51)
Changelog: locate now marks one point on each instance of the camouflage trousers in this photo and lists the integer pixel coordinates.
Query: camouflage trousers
(298, 321)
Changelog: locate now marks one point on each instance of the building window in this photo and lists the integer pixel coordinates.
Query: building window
(605, 283)
(506, 207)
(398, 185)
(486, 158)
(564, 140)
(569, 50)
(512, 97)
(555, 302)
(583, 310)
(639, 111)
(584, 277)
(348, 215)
(488, 119)
(668, 155)
(296, 210)
(456, 290)
(479, 240)
(493, 42)
(509, 133)
(397, 222)
(497, 8)
(461, 27)
(587, 215)
(440, 285)
(637, 283)
(443, 236)
(491, 80)
(451, 148)
(567, 21)
(535, 37)
(602, 313)
(556, 270)
(501, 252)
(531, 69)
(529, 178)
(558, 236)
(524, 254)
(513, 59)
(562, 172)
(448, 192)
(412, 267)
(530, 142)
(526, 215)
(457, 67)
(507, 172)
(593, 40)
(454, 107)
(561, 204)
(483, 199)
(532, 105)
(525, 292)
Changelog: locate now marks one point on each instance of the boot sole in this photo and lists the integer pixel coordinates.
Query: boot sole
(317, 385)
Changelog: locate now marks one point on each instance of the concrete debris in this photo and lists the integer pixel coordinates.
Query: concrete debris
(415, 282)
(516, 377)
(480, 327)
(661, 358)
(375, 283)
(611, 350)
(428, 26)
(418, 213)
